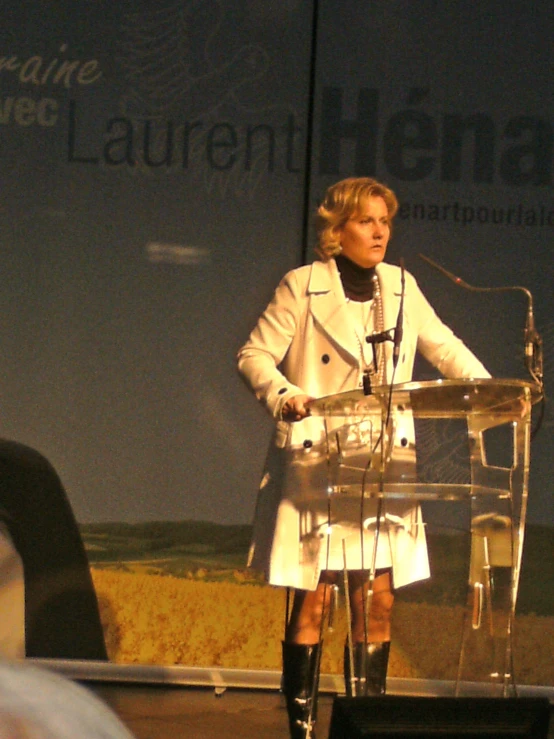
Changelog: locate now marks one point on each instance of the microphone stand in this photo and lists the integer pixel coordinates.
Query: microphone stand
(394, 335)
(534, 365)
(532, 339)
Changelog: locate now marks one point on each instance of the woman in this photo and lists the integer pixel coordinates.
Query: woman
(316, 338)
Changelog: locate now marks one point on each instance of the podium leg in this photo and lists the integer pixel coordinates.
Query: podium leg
(497, 530)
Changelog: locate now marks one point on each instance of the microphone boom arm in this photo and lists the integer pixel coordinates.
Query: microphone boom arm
(533, 341)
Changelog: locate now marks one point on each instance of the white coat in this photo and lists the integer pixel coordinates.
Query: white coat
(304, 343)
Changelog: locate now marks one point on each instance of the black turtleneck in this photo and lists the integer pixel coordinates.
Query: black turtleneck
(357, 281)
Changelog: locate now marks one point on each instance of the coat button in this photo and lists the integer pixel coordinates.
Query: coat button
(282, 391)
(307, 444)
(403, 441)
(325, 359)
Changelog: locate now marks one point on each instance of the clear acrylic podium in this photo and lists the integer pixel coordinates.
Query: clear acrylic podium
(369, 451)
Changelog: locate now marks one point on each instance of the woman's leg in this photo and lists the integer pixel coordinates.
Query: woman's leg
(380, 608)
(371, 636)
(302, 656)
(308, 610)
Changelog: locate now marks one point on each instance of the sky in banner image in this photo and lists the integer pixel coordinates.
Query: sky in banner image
(461, 126)
(152, 195)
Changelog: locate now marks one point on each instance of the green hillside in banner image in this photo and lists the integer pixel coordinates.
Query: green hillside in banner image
(214, 552)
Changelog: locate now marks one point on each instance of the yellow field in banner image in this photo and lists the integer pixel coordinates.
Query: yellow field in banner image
(165, 620)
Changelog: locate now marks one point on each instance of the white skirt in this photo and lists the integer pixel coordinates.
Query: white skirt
(302, 527)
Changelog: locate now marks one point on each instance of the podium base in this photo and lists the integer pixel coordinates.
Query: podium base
(398, 717)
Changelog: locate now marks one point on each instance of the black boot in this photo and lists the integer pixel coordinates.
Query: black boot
(300, 686)
(370, 669)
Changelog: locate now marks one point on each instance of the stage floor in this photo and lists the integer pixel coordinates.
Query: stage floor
(198, 713)
(177, 712)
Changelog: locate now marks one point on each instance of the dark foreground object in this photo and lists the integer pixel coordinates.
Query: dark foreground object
(61, 610)
(403, 717)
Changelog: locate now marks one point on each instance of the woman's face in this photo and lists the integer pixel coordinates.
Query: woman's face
(364, 237)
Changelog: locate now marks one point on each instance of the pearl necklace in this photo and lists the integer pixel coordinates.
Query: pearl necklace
(368, 321)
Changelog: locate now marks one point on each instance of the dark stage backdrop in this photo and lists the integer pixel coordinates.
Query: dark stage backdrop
(155, 169)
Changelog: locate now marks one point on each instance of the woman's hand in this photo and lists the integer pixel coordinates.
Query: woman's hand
(295, 409)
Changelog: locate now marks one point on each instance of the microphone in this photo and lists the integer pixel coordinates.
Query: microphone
(533, 345)
(532, 340)
(378, 338)
(399, 328)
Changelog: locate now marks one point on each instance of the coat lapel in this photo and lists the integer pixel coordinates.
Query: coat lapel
(328, 306)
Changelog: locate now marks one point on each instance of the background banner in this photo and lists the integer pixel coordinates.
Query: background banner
(160, 161)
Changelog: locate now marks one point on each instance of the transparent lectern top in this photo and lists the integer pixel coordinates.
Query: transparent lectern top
(435, 399)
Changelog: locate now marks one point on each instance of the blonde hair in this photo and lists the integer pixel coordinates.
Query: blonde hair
(343, 200)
